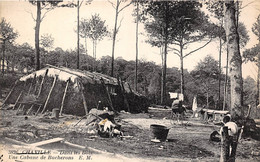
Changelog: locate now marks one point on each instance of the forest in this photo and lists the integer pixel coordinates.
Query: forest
(171, 26)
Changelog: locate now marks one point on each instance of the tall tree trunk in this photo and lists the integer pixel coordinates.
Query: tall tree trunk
(77, 34)
(235, 61)
(207, 98)
(114, 39)
(136, 55)
(93, 63)
(182, 70)
(226, 84)
(220, 53)
(86, 48)
(95, 56)
(37, 35)
(165, 30)
(3, 59)
(162, 57)
(219, 76)
(257, 81)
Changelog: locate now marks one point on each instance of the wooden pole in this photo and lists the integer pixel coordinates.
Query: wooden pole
(9, 94)
(30, 109)
(42, 83)
(30, 88)
(63, 98)
(225, 146)
(125, 99)
(31, 84)
(49, 95)
(38, 110)
(108, 95)
(83, 98)
(17, 100)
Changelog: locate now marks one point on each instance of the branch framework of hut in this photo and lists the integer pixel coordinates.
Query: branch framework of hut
(73, 92)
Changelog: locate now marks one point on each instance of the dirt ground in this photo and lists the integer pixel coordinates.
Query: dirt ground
(188, 141)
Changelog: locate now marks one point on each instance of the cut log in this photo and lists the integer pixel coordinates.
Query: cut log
(17, 100)
(42, 83)
(49, 95)
(46, 142)
(63, 98)
(74, 145)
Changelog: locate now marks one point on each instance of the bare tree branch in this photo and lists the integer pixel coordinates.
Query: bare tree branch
(177, 54)
(197, 49)
(125, 7)
(174, 49)
(196, 39)
(31, 15)
(113, 5)
(248, 4)
(81, 3)
(119, 24)
(44, 15)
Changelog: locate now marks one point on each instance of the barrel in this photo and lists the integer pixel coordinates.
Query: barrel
(159, 132)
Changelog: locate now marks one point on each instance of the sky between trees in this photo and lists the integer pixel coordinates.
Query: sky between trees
(61, 24)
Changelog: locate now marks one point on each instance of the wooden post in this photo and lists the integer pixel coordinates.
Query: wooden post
(49, 95)
(30, 109)
(17, 100)
(63, 98)
(83, 98)
(125, 99)
(9, 94)
(225, 145)
(30, 88)
(38, 110)
(19, 108)
(108, 95)
(42, 83)
(31, 84)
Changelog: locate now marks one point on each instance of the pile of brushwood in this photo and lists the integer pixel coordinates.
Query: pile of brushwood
(103, 123)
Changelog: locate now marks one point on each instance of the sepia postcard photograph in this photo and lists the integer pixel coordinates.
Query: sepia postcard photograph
(130, 80)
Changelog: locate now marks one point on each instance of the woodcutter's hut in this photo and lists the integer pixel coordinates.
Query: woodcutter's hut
(72, 92)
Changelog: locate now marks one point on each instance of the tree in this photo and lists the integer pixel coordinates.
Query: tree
(136, 54)
(7, 34)
(98, 30)
(175, 22)
(47, 5)
(40, 4)
(47, 41)
(253, 54)
(190, 25)
(217, 9)
(157, 17)
(118, 9)
(95, 29)
(206, 77)
(84, 28)
(234, 59)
